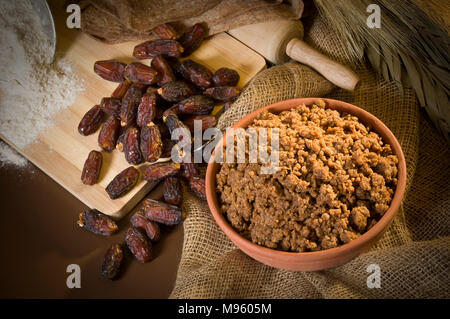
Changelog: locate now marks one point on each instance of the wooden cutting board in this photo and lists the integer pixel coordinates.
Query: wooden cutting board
(61, 151)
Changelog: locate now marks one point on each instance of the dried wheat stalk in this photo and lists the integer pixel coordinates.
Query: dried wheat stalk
(409, 48)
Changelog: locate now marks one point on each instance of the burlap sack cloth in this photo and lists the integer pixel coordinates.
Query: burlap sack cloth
(413, 255)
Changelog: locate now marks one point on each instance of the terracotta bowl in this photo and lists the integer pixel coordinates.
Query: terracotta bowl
(311, 261)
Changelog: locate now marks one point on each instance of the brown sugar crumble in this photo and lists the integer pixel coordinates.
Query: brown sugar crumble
(335, 180)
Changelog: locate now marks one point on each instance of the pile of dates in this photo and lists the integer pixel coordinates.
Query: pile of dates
(150, 102)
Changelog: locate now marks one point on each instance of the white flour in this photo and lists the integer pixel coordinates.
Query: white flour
(8, 156)
(31, 91)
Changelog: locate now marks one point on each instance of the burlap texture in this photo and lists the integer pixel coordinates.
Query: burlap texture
(115, 21)
(414, 253)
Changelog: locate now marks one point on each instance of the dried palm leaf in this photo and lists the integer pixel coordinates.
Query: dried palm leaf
(409, 48)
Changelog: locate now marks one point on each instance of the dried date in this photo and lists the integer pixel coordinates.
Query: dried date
(131, 147)
(163, 130)
(189, 170)
(171, 111)
(174, 64)
(142, 87)
(112, 261)
(171, 48)
(130, 104)
(206, 122)
(109, 133)
(137, 72)
(139, 245)
(146, 112)
(222, 93)
(123, 182)
(97, 222)
(91, 168)
(225, 77)
(165, 72)
(196, 105)
(172, 190)
(151, 90)
(148, 49)
(196, 73)
(166, 31)
(158, 171)
(173, 123)
(151, 144)
(111, 106)
(120, 90)
(140, 51)
(150, 227)
(159, 112)
(168, 145)
(161, 212)
(193, 38)
(91, 121)
(197, 185)
(120, 142)
(110, 70)
(175, 91)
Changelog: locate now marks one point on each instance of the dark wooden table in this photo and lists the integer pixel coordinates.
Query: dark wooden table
(39, 238)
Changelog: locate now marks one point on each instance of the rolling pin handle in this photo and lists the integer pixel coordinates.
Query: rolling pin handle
(336, 73)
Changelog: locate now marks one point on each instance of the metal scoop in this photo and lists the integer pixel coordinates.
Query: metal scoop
(48, 25)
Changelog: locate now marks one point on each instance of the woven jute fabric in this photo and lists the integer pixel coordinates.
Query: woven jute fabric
(414, 253)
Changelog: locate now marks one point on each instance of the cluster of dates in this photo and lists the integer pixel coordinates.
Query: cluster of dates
(138, 118)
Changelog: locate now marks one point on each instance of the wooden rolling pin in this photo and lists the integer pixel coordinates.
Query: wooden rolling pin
(279, 40)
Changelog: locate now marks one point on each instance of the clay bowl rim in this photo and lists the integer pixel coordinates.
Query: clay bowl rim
(366, 239)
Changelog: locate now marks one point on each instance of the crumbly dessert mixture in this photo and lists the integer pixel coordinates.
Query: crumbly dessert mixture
(335, 180)
(31, 90)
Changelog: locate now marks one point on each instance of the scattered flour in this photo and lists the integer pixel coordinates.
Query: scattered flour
(8, 156)
(31, 90)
